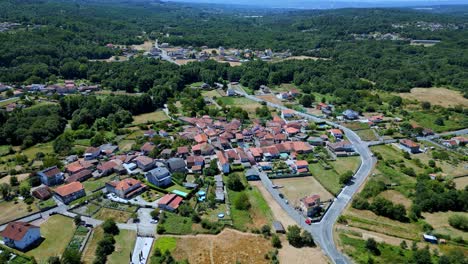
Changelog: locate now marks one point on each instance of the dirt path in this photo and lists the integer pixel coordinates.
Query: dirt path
(278, 213)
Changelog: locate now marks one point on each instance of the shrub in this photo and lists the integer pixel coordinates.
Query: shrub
(110, 227)
(275, 241)
(459, 222)
(242, 202)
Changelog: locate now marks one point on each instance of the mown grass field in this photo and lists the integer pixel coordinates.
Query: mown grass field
(88, 254)
(165, 244)
(57, 232)
(329, 178)
(156, 116)
(10, 211)
(124, 243)
(117, 215)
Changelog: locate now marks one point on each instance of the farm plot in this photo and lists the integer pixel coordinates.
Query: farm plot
(296, 188)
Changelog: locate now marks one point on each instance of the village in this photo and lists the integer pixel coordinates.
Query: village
(198, 169)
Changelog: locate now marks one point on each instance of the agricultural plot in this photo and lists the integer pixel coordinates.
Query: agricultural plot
(156, 116)
(296, 188)
(11, 210)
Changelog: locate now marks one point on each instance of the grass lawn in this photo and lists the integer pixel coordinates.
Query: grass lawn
(367, 134)
(440, 223)
(117, 215)
(126, 144)
(45, 148)
(296, 188)
(329, 178)
(242, 102)
(165, 244)
(93, 184)
(258, 215)
(176, 224)
(156, 116)
(355, 247)
(11, 211)
(90, 249)
(83, 142)
(47, 203)
(461, 182)
(427, 118)
(57, 233)
(4, 150)
(124, 243)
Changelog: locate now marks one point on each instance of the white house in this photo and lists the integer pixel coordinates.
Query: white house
(20, 235)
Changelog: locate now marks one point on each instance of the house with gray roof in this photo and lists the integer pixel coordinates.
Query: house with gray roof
(160, 177)
(176, 165)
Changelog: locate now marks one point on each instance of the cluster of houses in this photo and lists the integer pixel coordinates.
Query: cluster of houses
(455, 142)
(68, 87)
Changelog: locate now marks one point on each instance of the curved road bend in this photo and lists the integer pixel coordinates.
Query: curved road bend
(323, 231)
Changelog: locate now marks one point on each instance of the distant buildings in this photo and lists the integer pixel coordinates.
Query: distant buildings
(409, 146)
(125, 188)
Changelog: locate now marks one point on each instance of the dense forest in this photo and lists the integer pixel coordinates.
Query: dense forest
(62, 37)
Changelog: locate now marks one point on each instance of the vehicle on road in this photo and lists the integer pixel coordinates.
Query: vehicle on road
(308, 221)
(154, 221)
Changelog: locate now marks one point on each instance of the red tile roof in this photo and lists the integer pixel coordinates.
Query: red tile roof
(221, 157)
(68, 189)
(409, 143)
(144, 160)
(16, 230)
(182, 150)
(79, 176)
(335, 131)
(126, 184)
(301, 163)
(291, 130)
(148, 147)
(74, 167)
(311, 199)
(201, 138)
(176, 202)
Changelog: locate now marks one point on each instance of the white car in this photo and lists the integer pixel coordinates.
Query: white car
(154, 221)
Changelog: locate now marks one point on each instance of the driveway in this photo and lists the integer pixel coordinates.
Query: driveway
(142, 250)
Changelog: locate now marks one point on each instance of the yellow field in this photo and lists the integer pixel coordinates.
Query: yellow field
(155, 116)
(461, 182)
(296, 188)
(117, 215)
(437, 96)
(440, 223)
(11, 211)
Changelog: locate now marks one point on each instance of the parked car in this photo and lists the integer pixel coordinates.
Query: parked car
(308, 221)
(154, 221)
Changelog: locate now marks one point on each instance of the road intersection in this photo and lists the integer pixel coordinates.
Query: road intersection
(323, 231)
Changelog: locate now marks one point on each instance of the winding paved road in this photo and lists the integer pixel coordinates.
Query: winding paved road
(323, 231)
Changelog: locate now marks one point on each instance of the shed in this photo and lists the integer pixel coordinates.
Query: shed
(278, 227)
(430, 238)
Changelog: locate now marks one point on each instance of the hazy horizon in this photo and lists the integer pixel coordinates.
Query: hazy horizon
(328, 3)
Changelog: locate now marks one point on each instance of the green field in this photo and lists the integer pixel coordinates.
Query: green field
(427, 118)
(4, 150)
(176, 224)
(93, 184)
(329, 178)
(165, 244)
(124, 243)
(57, 232)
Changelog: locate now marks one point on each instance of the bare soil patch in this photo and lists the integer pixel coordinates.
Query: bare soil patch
(146, 46)
(183, 62)
(437, 96)
(461, 182)
(304, 58)
(440, 223)
(396, 197)
(296, 188)
(290, 254)
(227, 247)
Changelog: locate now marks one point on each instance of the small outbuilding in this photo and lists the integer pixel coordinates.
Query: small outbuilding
(278, 227)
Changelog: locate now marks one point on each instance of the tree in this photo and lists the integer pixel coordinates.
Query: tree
(155, 213)
(307, 100)
(294, 236)
(275, 241)
(77, 220)
(5, 189)
(459, 221)
(426, 105)
(307, 239)
(346, 177)
(439, 121)
(372, 246)
(266, 230)
(403, 244)
(110, 227)
(241, 202)
(432, 163)
(53, 260)
(71, 256)
(14, 181)
(234, 183)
